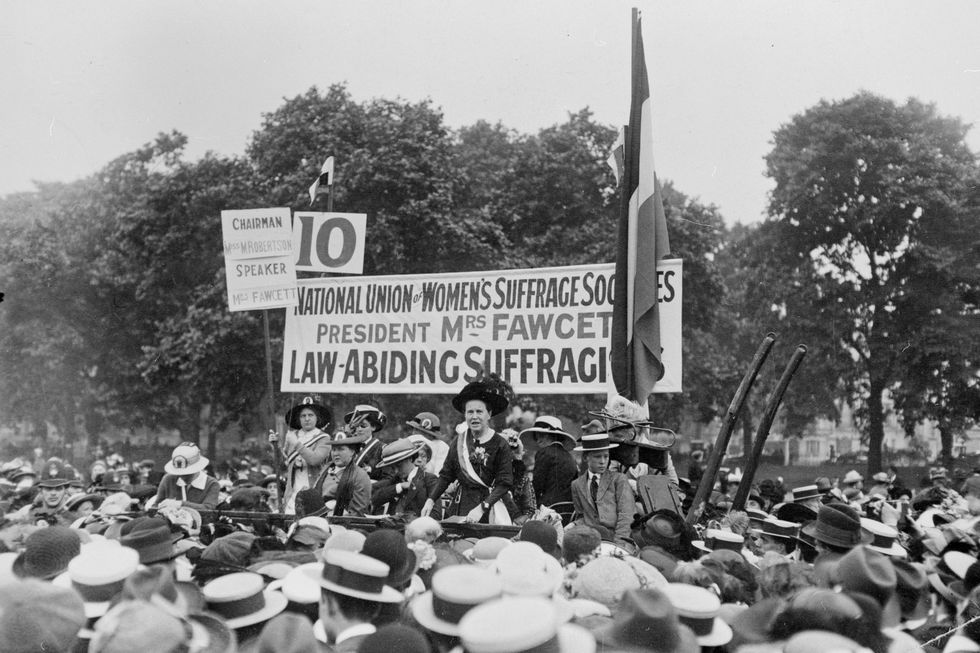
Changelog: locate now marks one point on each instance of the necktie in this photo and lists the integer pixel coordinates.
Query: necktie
(594, 488)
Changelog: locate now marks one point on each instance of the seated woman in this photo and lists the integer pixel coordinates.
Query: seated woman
(554, 467)
(405, 492)
(345, 487)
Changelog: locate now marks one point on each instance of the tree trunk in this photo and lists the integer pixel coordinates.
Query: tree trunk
(204, 428)
(946, 437)
(876, 426)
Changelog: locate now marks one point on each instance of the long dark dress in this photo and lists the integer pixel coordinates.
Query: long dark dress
(496, 472)
(554, 471)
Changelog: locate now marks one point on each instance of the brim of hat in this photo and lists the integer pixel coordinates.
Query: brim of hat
(721, 634)
(20, 571)
(568, 442)
(358, 439)
(425, 614)
(943, 589)
(387, 594)
(220, 637)
(575, 639)
(811, 530)
(275, 603)
(762, 532)
(816, 495)
(608, 446)
(415, 425)
(190, 469)
(896, 550)
(398, 457)
(54, 482)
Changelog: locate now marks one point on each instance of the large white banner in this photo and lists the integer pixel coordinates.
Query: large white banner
(545, 330)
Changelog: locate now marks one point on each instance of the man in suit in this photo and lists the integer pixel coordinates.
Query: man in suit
(405, 492)
(352, 590)
(603, 499)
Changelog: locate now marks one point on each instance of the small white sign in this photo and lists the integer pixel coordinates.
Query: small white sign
(259, 270)
(329, 242)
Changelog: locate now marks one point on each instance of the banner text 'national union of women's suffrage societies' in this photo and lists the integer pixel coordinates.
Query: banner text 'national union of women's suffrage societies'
(547, 331)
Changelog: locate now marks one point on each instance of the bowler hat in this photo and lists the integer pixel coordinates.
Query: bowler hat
(323, 414)
(664, 529)
(492, 393)
(646, 620)
(153, 544)
(389, 547)
(837, 525)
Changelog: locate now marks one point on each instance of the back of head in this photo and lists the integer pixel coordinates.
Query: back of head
(395, 637)
(39, 616)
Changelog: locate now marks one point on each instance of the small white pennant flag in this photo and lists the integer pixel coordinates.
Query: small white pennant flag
(326, 177)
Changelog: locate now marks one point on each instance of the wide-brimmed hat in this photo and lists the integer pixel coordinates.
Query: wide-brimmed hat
(485, 550)
(389, 547)
(526, 570)
(604, 580)
(456, 590)
(851, 476)
(47, 552)
(154, 544)
(519, 624)
(547, 425)
(869, 572)
(186, 459)
(54, 474)
(837, 524)
(698, 608)
(795, 512)
(646, 620)
(664, 528)
(428, 423)
(98, 574)
(777, 528)
(398, 451)
(76, 500)
(491, 394)
(241, 599)
(356, 575)
(884, 538)
(371, 414)
(716, 539)
(881, 477)
(595, 442)
(323, 415)
(806, 492)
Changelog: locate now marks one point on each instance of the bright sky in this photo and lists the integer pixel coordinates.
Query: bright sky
(84, 81)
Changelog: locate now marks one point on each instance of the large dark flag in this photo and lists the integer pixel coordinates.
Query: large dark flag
(636, 364)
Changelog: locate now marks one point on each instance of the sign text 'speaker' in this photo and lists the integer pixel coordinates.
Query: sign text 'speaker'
(259, 268)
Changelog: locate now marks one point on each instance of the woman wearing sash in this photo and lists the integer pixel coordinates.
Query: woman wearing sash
(306, 448)
(479, 458)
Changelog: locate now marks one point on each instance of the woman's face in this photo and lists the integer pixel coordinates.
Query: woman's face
(422, 459)
(307, 419)
(84, 509)
(477, 416)
(341, 454)
(364, 428)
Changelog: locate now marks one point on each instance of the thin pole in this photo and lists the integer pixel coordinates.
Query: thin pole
(270, 403)
(725, 432)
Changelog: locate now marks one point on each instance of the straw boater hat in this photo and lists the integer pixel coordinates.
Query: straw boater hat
(185, 460)
(698, 609)
(595, 442)
(323, 414)
(398, 451)
(372, 415)
(777, 528)
(885, 538)
(490, 393)
(98, 574)
(550, 426)
(428, 423)
(716, 539)
(242, 600)
(519, 624)
(356, 575)
(806, 492)
(456, 590)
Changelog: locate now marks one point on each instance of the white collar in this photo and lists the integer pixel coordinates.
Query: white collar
(593, 475)
(200, 481)
(354, 631)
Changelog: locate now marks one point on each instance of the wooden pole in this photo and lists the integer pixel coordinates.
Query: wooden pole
(762, 433)
(270, 403)
(727, 426)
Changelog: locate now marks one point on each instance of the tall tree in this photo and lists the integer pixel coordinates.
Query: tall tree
(866, 192)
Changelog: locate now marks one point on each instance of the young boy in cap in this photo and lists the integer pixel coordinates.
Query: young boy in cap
(603, 499)
(426, 430)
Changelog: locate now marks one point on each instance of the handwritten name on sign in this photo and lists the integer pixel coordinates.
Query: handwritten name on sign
(545, 330)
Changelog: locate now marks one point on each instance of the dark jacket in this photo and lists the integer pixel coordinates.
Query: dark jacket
(554, 471)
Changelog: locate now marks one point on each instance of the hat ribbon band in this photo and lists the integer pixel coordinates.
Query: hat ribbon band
(700, 625)
(601, 443)
(882, 541)
(715, 544)
(448, 610)
(353, 580)
(240, 607)
(550, 646)
(98, 593)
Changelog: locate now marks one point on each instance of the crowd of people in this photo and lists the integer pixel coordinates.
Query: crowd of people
(369, 544)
